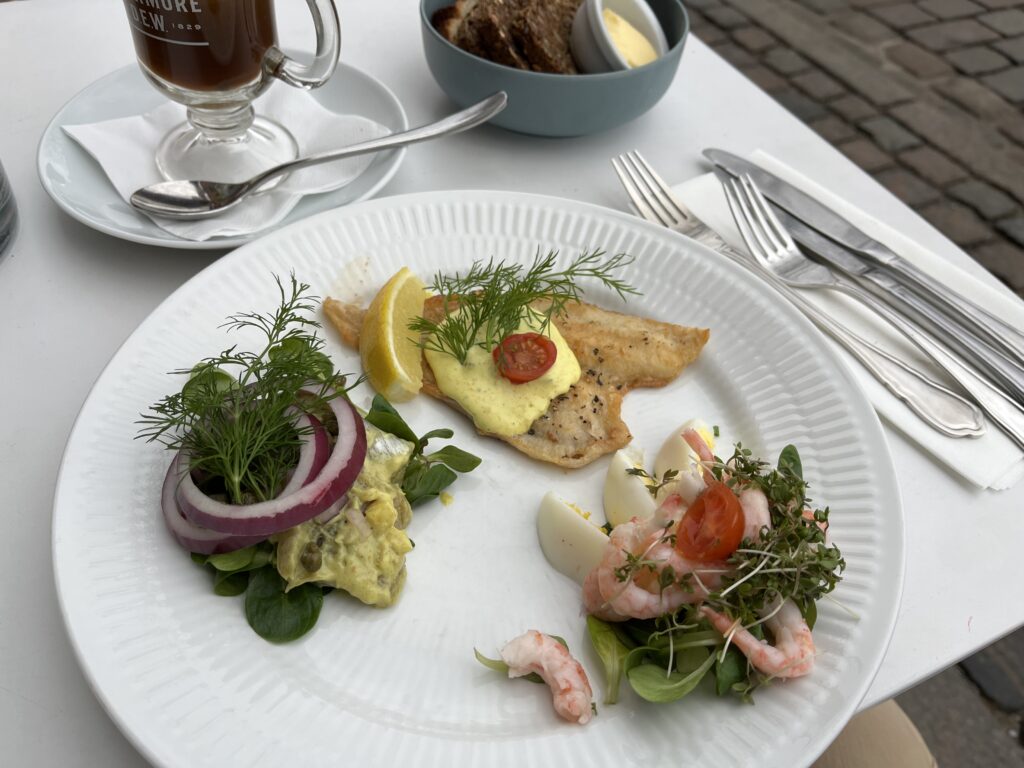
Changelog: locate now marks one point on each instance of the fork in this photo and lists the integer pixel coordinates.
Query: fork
(775, 250)
(937, 406)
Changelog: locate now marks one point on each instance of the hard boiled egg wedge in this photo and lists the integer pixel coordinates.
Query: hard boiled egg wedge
(625, 495)
(572, 544)
(676, 454)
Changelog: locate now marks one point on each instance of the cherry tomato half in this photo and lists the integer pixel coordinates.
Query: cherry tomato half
(712, 527)
(523, 357)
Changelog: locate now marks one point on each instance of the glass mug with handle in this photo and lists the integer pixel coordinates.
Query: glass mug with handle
(216, 57)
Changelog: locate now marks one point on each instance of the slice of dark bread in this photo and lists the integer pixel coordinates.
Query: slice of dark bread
(542, 32)
(526, 34)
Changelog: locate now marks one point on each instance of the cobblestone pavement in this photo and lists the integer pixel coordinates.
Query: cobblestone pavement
(926, 96)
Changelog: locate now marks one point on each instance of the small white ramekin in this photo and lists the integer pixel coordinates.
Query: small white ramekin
(592, 46)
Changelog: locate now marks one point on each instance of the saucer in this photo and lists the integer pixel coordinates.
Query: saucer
(78, 185)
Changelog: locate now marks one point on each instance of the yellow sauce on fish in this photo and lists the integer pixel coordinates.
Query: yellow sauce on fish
(495, 404)
(628, 40)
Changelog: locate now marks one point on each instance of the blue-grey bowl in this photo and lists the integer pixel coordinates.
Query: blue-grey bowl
(556, 105)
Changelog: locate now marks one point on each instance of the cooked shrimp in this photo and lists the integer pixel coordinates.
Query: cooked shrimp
(540, 653)
(755, 512)
(641, 595)
(703, 451)
(792, 655)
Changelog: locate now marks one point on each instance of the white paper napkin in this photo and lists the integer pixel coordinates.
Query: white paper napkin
(125, 149)
(991, 461)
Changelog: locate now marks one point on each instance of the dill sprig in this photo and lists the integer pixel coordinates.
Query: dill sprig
(235, 415)
(491, 299)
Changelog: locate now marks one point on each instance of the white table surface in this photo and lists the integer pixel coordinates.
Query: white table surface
(69, 296)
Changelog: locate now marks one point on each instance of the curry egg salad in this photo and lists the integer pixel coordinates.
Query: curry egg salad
(281, 486)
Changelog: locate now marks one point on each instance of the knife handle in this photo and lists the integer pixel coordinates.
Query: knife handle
(990, 329)
(943, 410)
(993, 401)
(1001, 369)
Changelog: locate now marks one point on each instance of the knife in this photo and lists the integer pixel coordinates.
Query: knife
(990, 330)
(1003, 372)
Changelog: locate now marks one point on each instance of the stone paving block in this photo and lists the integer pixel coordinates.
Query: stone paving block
(1008, 22)
(1009, 83)
(754, 39)
(901, 15)
(840, 57)
(952, 34)
(932, 165)
(710, 34)
(978, 146)
(996, 4)
(725, 17)
(863, 27)
(801, 106)
(833, 129)
(764, 78)
(975, 97)
(985, 199)
(865, 154)
(1014, 128)
(908, 187)
(889, 134)
(1006, 261)
(1013, 229)
(825, 6)
(735, 55)
(916, 60)
(957, 222)
(785, 61)
(1013, 48)
(951, 9)
(853, 108)
(961, 730)
(977, 60)
(999, 669)
(818, 85)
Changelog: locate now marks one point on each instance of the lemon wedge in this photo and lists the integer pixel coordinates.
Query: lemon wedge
(387, 347)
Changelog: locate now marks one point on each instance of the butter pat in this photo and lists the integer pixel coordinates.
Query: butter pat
(495, 404)
(628, 40)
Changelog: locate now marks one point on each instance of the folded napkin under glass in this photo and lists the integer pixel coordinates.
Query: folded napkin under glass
(126, 148)
(991, 461)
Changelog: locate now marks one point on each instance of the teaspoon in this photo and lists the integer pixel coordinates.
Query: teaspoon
(197, 199)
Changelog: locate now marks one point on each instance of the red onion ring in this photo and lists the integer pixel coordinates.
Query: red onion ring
(286, 511)
(192, 537)
(313, 453)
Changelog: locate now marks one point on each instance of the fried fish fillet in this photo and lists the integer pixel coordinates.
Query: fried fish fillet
(616, 353)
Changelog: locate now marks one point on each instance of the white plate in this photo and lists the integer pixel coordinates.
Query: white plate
(77, 183)
(182, 674)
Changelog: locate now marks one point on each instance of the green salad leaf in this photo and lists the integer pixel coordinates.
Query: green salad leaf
(277, 615)
(612, 652)
(426, 475)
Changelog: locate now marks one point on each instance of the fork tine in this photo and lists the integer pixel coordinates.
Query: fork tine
(658, 185)
(741, 222)
(766, 249)
(643, 188)
(635, 196)
(761, 216)
(769, 214)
